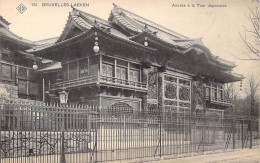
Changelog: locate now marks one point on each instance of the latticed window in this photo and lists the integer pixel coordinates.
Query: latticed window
(176, 92)
(184, 90)
(170, 91)
(184, 93)
(119, 109)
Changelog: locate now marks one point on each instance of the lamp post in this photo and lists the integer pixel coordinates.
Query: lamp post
(63, 95)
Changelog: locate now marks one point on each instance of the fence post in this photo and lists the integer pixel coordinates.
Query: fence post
(242, 134)
(160, 135)
(98, 116)
(124, 129)
(62, 158)
(234, 133)
(1, 110)
(250, 132)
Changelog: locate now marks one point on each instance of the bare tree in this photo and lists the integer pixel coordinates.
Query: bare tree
(252, 91)
(251, 36)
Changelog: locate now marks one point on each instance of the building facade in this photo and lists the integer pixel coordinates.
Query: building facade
(16, 66)
(128, 64)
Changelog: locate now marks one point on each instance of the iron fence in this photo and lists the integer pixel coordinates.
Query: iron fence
(77, 133)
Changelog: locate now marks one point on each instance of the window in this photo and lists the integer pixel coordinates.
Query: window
(6, 57)
(22, 72)
(65, 72)
(93, 66)
(22, 87)
(72, 70)
(83, 68)
(121, 74)
(6, 71)
(215, 93)
(119, 109)
(34, 88)
(124, 72)
(221, 95)
(134, 75)
(176, 92)
(207, 92)
(107, 70)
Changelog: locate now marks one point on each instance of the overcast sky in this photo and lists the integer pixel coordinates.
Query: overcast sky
(219, 27)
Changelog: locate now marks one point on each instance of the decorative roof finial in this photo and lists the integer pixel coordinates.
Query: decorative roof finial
(114, 5)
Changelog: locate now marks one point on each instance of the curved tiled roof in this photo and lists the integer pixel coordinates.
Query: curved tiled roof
(132, 21)
(86, 22)
(53, 66)
(8, 35)
(225, 62)
(123, 21)
(42, 44)
(120, 13)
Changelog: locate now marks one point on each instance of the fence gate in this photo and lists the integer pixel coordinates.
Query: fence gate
(47, 133)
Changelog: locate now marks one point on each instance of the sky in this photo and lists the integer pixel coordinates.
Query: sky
(219, 27)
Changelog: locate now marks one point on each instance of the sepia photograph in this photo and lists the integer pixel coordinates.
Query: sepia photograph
(129, 81)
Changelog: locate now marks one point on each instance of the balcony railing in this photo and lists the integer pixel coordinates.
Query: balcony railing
(102, 80)
(74, 83)
(218, 101)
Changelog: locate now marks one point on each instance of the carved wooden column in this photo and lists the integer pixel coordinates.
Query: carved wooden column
(161, 70)
(145, 96)
(160, 91)
(145, 69)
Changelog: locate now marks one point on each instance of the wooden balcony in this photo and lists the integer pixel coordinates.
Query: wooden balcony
(218, 101)
(101, 80)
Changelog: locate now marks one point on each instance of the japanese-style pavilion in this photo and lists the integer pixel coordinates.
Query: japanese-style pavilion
(130, 63)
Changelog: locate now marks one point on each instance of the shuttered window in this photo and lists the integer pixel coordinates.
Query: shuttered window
(33, 88)
(6, 71)
(22, 72)
(22, 87)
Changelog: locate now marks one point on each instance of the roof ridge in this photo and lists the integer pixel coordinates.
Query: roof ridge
(153, 24)
(91, 15)
(47, 39)
(4, 20)
(189, 39)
